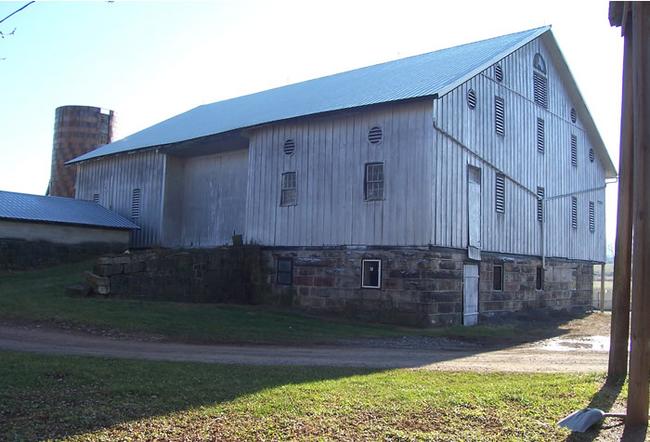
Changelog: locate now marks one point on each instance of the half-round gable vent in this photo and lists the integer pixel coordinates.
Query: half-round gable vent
(498, 73)
(375, 135)
(591, 155)
(539, 63)
(289, 147)
(471, 98)
(574, 116)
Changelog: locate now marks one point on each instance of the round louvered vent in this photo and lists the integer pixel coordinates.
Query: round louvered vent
(289, 147)
(471, 98)
(498, 73)
(375, 135)
(591, 155)
(574, 117)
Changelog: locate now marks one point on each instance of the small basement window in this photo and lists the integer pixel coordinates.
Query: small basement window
(539, 278)
(497, 278)
(374, 182)
(284, 275)
(288, 194)
(371, 273)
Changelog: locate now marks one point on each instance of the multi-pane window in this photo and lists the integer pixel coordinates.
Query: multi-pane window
(592, 217)
(541, 135)
(500, 193)
(284, 273)
(374, 182)
(574, 212)
(135, 204)
(497, 277)
(540, 204)
(288, 194)
(371, 273)
(574, 151)
(499, 116)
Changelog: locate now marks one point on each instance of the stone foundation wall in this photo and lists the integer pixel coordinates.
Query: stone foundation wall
(20, 254)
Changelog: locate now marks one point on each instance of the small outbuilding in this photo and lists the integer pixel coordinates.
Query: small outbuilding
(39, 230)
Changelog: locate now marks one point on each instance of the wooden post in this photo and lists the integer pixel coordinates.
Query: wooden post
(637, 401)
(620, 330)
(602, 288)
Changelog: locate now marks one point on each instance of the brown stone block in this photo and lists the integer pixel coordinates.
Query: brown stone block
(305, 271)
(303, 280)
(324, 281)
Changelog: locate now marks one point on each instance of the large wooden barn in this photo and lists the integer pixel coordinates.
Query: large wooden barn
(429, 189)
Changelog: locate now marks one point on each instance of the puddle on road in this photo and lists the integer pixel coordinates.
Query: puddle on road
(587, 343)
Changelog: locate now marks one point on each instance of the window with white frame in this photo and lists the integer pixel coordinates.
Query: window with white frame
(288, 193)
(374, 182)
(371, 273)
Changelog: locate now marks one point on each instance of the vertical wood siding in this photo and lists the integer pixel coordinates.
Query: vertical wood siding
(467, 136)
(114, 179)
(329, 163)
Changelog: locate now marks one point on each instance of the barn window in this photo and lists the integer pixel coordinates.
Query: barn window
(96, 198)
(541, 135)
(374, 182)
(591, 155)
(498, 73)
(135, 204)
(574, 213)
(371, 273)
(500, 193)
(288, 194)
(539, 278)
(284, 275)
(540, 81)
(592, 217)
(471, 99)
(574, 116)
(289, 147)
(375, 135)
(499, 116)
(574, 151)
(497, 278)
(540, 204)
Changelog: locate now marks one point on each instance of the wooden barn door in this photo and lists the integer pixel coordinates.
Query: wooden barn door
(474, 212)
(470, 294)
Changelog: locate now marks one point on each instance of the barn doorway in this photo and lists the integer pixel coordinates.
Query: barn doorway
(470, 294)
(474, 212)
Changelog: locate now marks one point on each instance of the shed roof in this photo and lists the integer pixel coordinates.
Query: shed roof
(428, 75)
(53, 209)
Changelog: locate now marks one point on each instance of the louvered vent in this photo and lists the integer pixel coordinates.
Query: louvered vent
(375, 135)
(499, 116)
(96, 198)
(574, 151)
(540, 89)
(540, 135)
(592, 217)
(289, 147)
(500, 193)
(471, 99)
(498, 73)
(574, 212)
(540, 204)
(591, 155)
(135, 204)
(574, 117)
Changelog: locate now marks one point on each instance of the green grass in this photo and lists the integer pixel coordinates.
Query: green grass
(39, 296)
(85, 398)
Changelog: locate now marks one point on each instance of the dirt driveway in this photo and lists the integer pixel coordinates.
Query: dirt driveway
(542, 356)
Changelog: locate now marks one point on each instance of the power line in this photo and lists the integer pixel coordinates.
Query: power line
(17, 10)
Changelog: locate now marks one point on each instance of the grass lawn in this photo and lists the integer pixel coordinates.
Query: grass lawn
(39, 296)
(79, 398)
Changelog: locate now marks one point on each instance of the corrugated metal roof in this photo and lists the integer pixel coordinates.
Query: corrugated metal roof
(430, 74)
(53, 209)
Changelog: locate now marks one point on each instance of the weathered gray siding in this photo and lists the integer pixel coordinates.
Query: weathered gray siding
(466, 136)
(114, 179)
(329, 163)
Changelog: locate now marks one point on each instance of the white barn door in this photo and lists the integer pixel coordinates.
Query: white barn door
(470, 294)
(474, 212)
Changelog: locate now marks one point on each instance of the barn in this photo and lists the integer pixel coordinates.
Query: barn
(433, 189)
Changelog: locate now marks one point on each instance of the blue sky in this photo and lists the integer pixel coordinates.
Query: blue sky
(148, 61)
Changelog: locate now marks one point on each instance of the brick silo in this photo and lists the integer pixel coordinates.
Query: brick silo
(77, 130)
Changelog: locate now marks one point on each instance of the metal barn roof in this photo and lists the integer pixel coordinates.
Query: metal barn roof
(53, 209)
(430, 74)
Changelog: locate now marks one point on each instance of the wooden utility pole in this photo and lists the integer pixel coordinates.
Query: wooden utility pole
(637, 401)
(620, 330)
